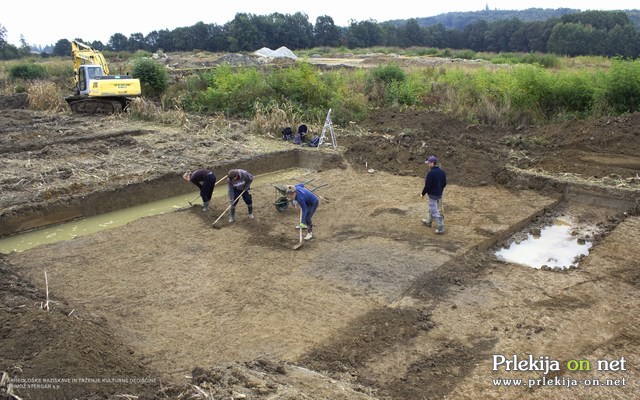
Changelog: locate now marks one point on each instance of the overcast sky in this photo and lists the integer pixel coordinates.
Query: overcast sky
(43, 22)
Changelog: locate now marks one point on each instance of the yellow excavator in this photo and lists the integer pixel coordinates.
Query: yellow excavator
(97, 92)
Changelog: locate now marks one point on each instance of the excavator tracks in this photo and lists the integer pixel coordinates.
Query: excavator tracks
(95, 106)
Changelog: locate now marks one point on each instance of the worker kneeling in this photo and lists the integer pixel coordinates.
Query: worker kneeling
(308, 203)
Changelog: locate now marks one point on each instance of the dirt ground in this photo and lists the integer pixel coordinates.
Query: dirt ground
(376, 306)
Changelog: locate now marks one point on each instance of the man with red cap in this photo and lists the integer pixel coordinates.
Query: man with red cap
(434, 185)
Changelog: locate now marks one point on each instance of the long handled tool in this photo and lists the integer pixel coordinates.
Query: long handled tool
(225, 211)
(194, 199)
(297, 246)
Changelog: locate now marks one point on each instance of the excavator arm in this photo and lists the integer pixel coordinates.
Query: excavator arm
(83, 54)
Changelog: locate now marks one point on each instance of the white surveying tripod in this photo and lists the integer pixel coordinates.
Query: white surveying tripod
(328, 124)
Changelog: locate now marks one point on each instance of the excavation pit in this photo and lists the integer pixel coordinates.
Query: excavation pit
(376, 306)
(170, 282)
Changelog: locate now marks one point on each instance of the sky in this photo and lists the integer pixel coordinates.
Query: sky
(43, 22)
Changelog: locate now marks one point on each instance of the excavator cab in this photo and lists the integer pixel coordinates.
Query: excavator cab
(87, 73)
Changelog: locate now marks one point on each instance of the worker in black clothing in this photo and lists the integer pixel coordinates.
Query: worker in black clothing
(206, 181)
(434, 185)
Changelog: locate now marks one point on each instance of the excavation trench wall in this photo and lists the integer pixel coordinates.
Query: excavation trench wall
(619, 199)
(31, 216)
(616, 198)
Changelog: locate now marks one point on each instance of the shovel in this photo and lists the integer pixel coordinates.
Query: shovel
(297, 246)
(225, 211)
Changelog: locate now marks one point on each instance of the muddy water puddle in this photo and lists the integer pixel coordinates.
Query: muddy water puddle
(555, 246)
(85, 226)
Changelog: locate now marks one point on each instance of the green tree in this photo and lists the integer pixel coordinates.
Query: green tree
(569, 39)
(498, 36)
(391, 35)
(183, 39)
(298, 31)
(437, 36)
(25, 49)
(3, 36)
(218, 40)
(159, 40)
(62, 48)
(363, 34)
(326, 33)
(598, 19)
(243, 34)
(98, 45)
(118, 42)
(537, 34)
(200, 35)
(411, 34)
(7, 51)
(453, 38)
(475, 34)
(135, 42)
(622, 41)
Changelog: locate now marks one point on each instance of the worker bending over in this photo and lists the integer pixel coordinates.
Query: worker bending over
(308, 203)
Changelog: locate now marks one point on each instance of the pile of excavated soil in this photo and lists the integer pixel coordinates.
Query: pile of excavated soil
(606, 149)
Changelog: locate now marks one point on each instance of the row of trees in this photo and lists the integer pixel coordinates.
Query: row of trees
(606, 33)
(8, 51)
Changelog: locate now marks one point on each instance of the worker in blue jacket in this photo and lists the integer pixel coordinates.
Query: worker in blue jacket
(308, 203)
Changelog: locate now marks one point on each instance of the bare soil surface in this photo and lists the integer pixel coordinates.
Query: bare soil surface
(376, 306)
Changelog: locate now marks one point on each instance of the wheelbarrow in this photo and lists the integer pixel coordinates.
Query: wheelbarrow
(282, 203)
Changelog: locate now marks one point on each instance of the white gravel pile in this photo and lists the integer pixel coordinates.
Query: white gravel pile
(279, 53)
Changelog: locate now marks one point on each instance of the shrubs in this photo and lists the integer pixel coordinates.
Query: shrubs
(27, 72)
(154, 79)
(526, 88)
(234, 91)
(622, 85)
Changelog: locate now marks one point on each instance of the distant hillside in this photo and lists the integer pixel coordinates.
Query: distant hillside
(459, 20)
(634, 16)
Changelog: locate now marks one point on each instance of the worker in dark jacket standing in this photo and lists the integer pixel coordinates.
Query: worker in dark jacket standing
(239, 183)
(434, 185)
(308, 203)
(206, 181)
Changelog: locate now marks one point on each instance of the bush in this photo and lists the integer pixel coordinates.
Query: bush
(27, 72)
(388, 73)
(383, 84)
(622, 90)
(304, 86)
(234, 91)
(465, 54)
(545, 60)
(154, 78)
